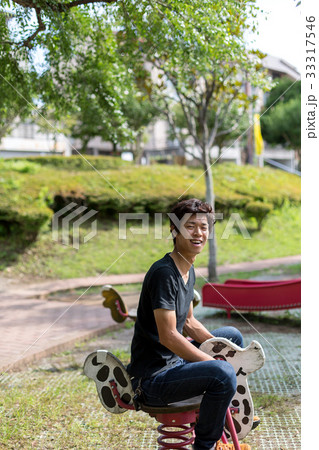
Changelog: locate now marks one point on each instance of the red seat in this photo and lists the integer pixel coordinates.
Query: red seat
(255, 282)
(247, 295)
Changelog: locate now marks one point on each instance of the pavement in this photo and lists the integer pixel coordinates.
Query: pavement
(33, 327)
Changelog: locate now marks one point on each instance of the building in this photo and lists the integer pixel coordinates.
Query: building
(279, 156)
(159, 147)
(27, 139)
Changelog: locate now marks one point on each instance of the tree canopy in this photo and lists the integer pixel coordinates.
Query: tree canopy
(281, 123)
(64, 56)
(69, 53)
(199, 62)
(98, 56)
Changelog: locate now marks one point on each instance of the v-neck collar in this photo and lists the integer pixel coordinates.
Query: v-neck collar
(185, 285)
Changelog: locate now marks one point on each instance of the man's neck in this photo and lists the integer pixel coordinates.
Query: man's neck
(183, 262)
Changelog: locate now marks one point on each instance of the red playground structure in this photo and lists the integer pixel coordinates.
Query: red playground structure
(247, 295)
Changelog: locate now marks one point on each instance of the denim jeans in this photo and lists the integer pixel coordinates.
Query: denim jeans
(216, 380)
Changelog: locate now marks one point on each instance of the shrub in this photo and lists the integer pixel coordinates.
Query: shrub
(24, 209)
(27, 219)
(258, 210)
(76, 163)
(29, 198)
(22, 166)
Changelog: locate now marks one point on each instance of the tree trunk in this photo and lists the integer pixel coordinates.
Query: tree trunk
(84, 144)
(210, 198)
(139, 148)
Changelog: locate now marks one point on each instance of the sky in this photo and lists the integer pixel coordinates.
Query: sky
(279, 27)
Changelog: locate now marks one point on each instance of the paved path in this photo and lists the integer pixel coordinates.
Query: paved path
(32, 327)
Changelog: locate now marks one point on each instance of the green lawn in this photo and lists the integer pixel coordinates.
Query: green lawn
(47, 409)
(53, 405)
(106, 253)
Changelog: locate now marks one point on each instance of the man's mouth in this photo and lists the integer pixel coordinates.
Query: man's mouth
(196, 241)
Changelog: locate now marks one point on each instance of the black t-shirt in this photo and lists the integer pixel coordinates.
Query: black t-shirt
(163, 287)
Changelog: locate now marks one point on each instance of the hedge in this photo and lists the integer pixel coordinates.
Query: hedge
(29, 195)
(258, 210)
(74, 162)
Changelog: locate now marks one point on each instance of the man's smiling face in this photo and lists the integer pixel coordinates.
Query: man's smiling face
(193, 235)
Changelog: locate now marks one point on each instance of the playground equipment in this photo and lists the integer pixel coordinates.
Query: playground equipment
(247, 295)
(115, 391)
(119, 312)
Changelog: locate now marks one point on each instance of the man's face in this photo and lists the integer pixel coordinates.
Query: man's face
(193, 234)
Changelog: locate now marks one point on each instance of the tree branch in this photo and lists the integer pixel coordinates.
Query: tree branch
(181, 96)
(212, 136)
(230, 130)
(75, 3)
(41, 27)
(176, 134)
(209, 91)
(60, 7)
(173, 80)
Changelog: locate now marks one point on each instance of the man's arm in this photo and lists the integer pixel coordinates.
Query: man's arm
(173, 340)
(196, 329)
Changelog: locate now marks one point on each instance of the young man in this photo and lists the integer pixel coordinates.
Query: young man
(165, 365)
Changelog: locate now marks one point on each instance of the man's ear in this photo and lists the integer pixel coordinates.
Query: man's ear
(173, 231)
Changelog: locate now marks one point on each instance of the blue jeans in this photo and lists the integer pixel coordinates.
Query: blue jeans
(216, 380)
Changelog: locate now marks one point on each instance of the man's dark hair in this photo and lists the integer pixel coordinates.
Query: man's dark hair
(192, 206)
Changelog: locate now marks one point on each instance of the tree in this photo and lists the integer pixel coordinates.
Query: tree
(195, 50)
(50, 123)
(16, 82)
(41, 37)
(92, 84)
(231, 128)
(192, 67)
(139, 112)
(81, 71)
(281, 124)
(37, 17)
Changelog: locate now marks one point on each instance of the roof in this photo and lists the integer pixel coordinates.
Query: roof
(275, 64)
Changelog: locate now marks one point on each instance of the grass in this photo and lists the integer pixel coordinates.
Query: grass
(54, 410)
(272, 406)
(107, 254)
(53, 406)
(58, 410)
(274, 402)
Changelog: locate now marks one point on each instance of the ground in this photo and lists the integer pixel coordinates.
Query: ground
(52, 405)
